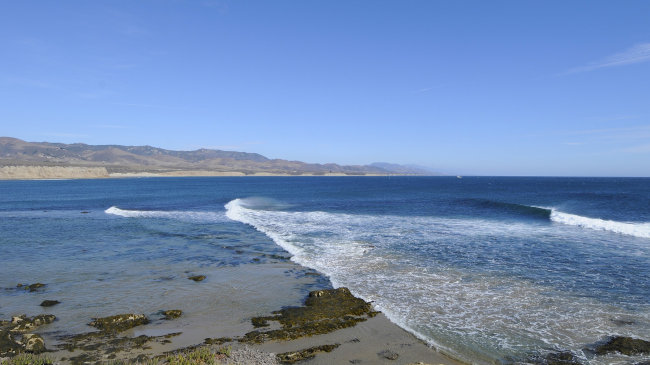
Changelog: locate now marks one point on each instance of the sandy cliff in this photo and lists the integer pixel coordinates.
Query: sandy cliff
(51, 172)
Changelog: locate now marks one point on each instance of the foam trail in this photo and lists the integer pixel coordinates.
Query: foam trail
(632, 229)
(197, 217)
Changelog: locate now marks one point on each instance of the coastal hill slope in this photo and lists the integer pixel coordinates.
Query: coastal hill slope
(118, 159)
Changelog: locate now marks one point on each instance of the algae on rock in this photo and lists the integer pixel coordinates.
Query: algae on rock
(324, 311)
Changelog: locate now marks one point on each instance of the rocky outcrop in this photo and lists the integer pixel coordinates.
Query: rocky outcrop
(51, 172)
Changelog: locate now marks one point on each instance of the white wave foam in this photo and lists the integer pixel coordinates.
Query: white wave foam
(198, 217)
(475, 316)
(632, 229)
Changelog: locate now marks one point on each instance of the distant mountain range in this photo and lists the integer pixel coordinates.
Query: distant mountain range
(125, 159)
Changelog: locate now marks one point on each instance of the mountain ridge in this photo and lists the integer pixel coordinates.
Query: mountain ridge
(133, 159)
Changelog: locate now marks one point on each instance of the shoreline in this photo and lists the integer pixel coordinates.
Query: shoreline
(38, 172)
(372, 340)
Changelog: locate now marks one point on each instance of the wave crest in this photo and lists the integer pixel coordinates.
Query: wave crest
(197, 217)
(632, 229)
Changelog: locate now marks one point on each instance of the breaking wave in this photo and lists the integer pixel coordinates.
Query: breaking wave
(475, 315)
(197, 217)
(632, 229)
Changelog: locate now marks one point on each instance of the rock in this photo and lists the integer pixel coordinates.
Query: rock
(49, 303)
(24, 323)
(171, 314)
(625, 345)
(388, 354)
(119, 323)
(295, 356)
(8, 346)
(197, 277)
(324, 311)
(33, 287)
(33, 343)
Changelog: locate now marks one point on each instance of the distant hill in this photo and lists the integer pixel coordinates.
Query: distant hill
(405, 169)
(127, 159)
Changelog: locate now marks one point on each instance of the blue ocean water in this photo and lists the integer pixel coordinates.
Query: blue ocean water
(486, 269)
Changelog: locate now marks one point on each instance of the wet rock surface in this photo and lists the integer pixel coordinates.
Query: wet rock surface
(30, 343)
(197, 278)
(624, 345)
(119, 323)
(295, 356)
(171, 314)
(49, 303)
(106, 343)
(324, 311)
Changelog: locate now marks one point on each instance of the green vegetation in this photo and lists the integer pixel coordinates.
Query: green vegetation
(29, 359)
(625, 345)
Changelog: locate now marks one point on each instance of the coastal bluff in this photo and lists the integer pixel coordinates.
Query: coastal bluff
(52, 172)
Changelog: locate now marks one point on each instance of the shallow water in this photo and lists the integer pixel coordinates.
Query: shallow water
(490, 270)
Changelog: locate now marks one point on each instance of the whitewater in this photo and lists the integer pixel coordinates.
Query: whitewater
(475, 315)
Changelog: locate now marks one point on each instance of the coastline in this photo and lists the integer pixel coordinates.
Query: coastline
(372, 340)
(38, 172)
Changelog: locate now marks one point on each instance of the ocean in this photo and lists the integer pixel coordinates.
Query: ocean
(490, 270)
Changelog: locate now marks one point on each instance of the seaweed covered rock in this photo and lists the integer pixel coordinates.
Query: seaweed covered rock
(23, 323)
(119, 323)
(49, 303)
(8, 345)
(197, 277)
(33, 343)
(324, 311)
(625, 345)
(33, 287)
(171, 314)
(295, 356)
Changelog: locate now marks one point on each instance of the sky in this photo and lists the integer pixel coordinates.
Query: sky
(544, 88)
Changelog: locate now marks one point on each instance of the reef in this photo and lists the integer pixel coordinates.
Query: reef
(300, 355)
(105, 343)
(625, 345)
(324, 311)
(29, 343)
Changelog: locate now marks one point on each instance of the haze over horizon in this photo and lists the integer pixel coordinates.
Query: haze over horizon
(505, 88)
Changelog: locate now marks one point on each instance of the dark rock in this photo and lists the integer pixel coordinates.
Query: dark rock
(324, 311)
(33, 343)
(33, 287)
(197, 277)
(295, 356)
(171, 314)
(8, 345)
(388, 354)
(85, 212)
(119, 323)
(557, 358)
(23, 323)
(625, 345)
(355, 361)
(49, 303)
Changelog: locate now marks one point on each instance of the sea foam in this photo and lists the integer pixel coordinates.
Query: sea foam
(474, 315)
(186, 216)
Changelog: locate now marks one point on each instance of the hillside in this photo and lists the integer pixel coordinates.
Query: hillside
(118, 159)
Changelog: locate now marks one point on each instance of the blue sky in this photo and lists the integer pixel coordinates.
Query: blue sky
(492, 88)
